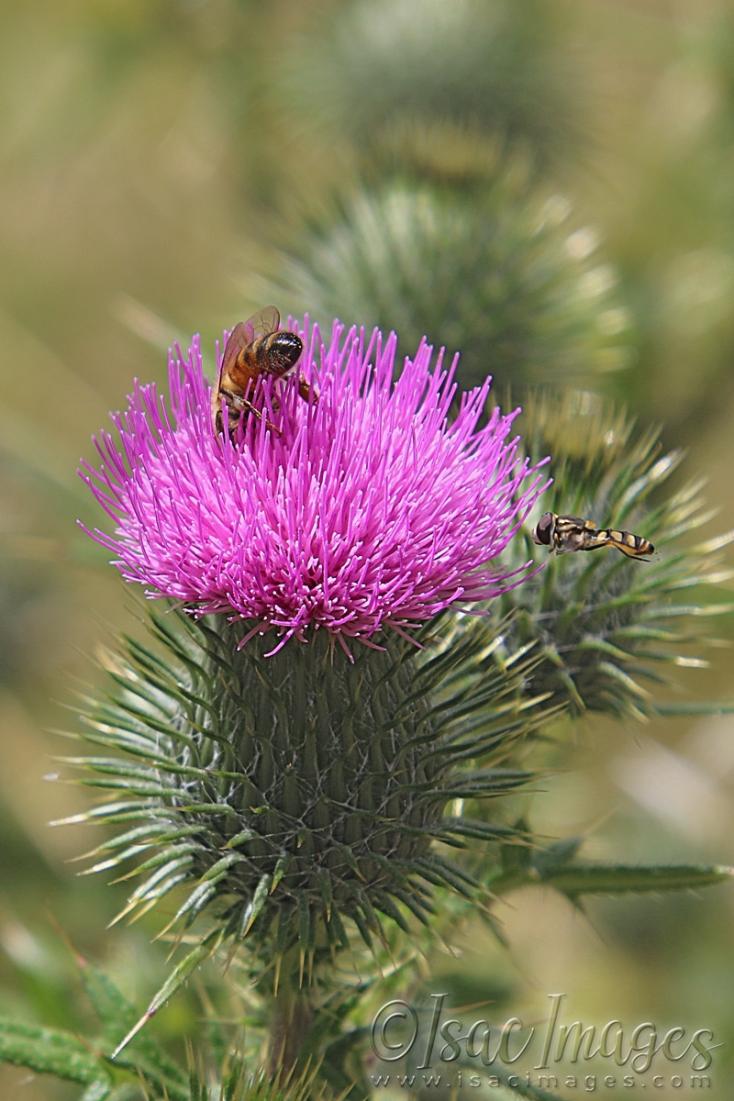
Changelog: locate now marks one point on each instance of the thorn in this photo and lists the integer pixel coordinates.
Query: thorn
(167, 929)
(143, 910)
(132, 1033)
(122, 914)
(73, 820)
(176, 943)
(230, 957)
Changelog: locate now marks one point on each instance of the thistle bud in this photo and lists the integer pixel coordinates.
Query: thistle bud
(605, 627)
(467, 62)
(501, 277)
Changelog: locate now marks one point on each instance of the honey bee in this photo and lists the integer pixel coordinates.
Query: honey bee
(572, 533)
(255, 348)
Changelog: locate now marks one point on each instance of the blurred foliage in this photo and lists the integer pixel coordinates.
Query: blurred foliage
(219, 1067)
(497, 67)
(503, 278)
(153, 156)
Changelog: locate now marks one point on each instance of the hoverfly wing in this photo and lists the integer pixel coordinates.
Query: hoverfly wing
(580, 522)
(636, 556)
(262, 323)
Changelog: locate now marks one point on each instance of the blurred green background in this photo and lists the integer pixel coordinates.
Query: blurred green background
(159, 160)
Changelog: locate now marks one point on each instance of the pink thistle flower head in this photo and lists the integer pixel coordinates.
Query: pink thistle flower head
(368, 509)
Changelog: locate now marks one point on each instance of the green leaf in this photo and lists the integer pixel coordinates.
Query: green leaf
(130, 1092)
(97, 1091)
(116, 1012)
(579, 879)
(49, 1051)
(694, 708)
(557, 855)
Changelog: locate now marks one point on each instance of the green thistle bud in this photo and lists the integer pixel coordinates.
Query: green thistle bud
(484, 64)
(297, 791)
(287, 783)
(502, 278)
(606, 626)
(298, 799)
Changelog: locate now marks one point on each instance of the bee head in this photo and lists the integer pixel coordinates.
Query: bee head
(543, 533)
(283, 352)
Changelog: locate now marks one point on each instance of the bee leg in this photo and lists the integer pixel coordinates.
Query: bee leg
(258, 413)
(307, 392)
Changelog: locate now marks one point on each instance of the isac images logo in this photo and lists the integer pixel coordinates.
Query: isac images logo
(426, 1046)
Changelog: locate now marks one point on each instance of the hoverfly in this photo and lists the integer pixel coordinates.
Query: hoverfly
(255, 348)
(572, 533)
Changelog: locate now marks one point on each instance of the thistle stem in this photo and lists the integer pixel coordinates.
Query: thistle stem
(291, 1020)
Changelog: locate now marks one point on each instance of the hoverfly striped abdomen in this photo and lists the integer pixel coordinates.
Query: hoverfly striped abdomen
(634, 546)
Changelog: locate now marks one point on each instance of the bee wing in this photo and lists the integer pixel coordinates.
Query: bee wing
(263, 323)
(238, 339)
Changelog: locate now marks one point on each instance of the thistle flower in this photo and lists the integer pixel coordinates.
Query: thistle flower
(365, 511)
(297, 797)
